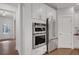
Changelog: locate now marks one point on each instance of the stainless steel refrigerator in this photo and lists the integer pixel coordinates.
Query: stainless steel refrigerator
(52, 39)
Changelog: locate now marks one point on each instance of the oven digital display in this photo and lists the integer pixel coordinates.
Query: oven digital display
(39, 39)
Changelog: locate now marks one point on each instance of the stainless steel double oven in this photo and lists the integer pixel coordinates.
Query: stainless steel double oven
(39, 34)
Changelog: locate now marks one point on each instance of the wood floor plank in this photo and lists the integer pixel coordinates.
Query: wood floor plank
(8, 47)
(65, 51)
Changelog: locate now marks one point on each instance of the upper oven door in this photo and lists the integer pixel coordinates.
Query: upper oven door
(39, 28)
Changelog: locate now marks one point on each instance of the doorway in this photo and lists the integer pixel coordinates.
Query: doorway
(7, 32)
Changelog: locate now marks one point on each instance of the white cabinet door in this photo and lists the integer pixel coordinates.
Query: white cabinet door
(76, 42)
(39, 51)
(51, 12)
(35, 10)
(39, 11)
(53, 44)
(42, 11)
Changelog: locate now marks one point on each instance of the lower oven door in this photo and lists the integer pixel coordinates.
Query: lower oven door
(39, 40)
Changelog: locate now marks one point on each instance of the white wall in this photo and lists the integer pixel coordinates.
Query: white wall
(18, 29)
(9, 21)
(27, 29)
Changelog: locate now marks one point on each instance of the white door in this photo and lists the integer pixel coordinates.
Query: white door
(65, 32)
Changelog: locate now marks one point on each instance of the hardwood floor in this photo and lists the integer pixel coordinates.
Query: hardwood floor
(7, 47)
(63, 51)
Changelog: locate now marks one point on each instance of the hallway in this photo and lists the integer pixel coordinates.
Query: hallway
(65, 51)
(7, 47)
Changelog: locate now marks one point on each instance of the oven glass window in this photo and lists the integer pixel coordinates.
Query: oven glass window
(39, 39)
(39, 29)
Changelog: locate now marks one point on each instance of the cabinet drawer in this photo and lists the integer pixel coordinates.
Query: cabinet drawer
(76, 41)
(39, 51)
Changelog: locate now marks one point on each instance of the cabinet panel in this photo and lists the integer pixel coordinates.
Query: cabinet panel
(39, 51)
(39, 11)
(35, 10)
(52, 44)
(43, 11)
(76, 42)
(51, 12)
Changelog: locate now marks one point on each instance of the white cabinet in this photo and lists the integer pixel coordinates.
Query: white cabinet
(43, 11)
(76, 42)
(35, 10)
(39, 11)
(53, 44)
(51, 12)
(39, 51)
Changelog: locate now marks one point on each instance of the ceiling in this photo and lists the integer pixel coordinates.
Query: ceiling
(13, 4)
(54, 5)
(6, 13)
(61, 5)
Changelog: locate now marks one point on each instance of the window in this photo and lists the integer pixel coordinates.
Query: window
(6, 29)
